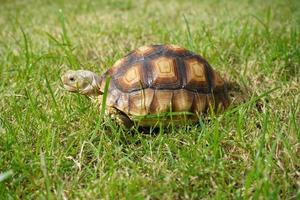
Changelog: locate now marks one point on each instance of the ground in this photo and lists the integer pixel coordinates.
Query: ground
(55, 145)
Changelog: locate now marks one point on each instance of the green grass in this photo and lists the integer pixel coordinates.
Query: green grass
(54, 145)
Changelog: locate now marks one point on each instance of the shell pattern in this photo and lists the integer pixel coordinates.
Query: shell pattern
(163, 78)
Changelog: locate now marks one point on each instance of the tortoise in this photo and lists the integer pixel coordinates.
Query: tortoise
(152, 82)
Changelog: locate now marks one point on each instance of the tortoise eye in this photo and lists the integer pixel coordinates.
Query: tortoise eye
(72, 79)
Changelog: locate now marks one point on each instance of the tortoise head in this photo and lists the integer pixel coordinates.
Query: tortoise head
(82, 82)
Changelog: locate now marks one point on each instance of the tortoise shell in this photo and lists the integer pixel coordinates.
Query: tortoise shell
(162, 78)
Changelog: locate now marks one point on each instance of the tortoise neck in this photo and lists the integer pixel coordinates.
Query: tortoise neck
(95, 86)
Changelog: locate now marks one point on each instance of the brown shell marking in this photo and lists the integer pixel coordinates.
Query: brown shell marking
(133, 78)
(218, 82)
(162, 101)
(164, 71)
(182, 100)
(140, 101)
(195, 72)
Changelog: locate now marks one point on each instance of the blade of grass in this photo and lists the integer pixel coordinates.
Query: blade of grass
(45, 174)
(104, 96)
(26, 47)
(65, 36)
(190, 37)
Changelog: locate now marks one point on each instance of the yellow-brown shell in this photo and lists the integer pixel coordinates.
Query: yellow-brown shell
(162, 78)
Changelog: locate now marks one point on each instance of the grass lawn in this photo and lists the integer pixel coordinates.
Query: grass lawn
(55, 145)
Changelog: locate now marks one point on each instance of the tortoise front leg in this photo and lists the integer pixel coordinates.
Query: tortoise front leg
(119, 117)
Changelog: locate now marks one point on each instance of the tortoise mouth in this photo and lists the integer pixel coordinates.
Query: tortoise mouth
(71, 88)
